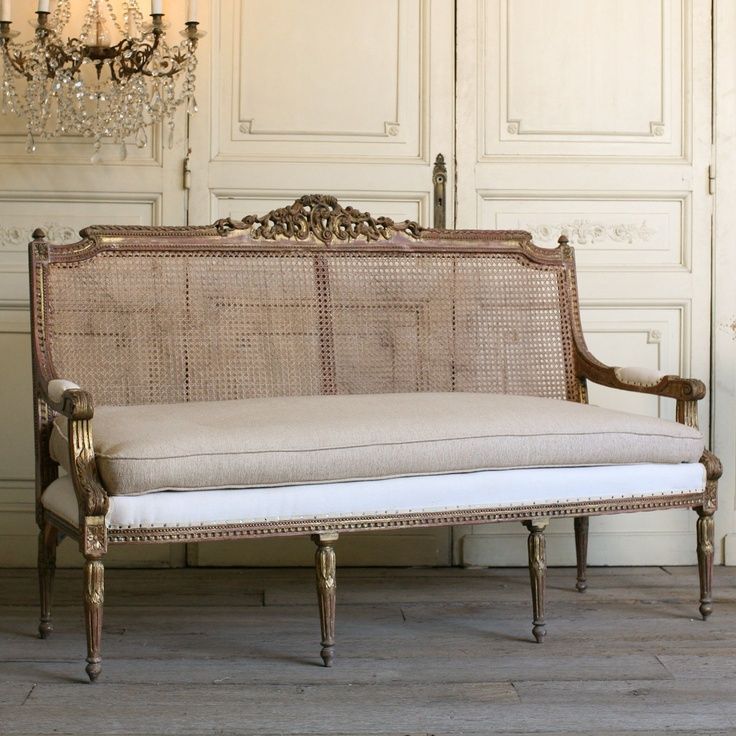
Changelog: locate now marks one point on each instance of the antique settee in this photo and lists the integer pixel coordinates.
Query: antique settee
(318, 371)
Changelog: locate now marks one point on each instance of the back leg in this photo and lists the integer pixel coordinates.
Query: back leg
(581, 551)
(48, 538)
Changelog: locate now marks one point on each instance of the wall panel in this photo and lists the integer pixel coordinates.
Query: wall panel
(361, 89)
(616, 91)
(634, 231)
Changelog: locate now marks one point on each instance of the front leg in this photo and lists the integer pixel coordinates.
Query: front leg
(325, 564)
(537, 574)
(94, 597)
(706, 533)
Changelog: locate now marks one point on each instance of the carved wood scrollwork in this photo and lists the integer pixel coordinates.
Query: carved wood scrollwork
(318, 216)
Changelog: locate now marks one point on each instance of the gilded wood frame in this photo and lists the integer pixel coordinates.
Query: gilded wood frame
(319, 224)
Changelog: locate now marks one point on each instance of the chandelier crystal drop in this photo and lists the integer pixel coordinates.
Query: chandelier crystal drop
(88, 87)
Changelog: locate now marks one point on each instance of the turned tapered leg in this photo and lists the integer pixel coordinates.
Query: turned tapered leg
(706, 533)
(537, 574)
(94, 596)
(324, 560)
(581, 551)
(47, 541)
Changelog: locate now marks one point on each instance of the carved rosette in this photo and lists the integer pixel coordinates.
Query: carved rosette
(321, 217)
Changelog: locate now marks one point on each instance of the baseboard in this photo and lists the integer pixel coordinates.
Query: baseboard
(729, 550)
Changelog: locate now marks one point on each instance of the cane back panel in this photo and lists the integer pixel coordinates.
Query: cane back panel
(252, 309)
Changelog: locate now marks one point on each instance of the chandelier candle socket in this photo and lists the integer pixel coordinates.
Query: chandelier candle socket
(89, 85)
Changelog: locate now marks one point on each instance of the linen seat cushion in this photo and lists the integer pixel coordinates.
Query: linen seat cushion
(315, 439)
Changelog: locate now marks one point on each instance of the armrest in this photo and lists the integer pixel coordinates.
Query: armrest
(643, 380)
(67, 398)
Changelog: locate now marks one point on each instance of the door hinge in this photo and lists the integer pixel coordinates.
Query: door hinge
(187, 172)
(712, 179)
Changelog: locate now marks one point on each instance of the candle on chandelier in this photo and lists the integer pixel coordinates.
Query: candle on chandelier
(4, 11)
(43, 6)
(157, 7)
(192, 11)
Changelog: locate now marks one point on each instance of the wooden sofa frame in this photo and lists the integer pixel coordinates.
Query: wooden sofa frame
(319, 225)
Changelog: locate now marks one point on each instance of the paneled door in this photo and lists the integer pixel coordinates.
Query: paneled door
(341, 97)
(592, 118)
(59, 189)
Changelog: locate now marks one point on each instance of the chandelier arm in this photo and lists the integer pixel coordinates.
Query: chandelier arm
(17, 61)
(64, 60)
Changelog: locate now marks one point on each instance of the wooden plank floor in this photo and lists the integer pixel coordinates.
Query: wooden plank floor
(419, 651)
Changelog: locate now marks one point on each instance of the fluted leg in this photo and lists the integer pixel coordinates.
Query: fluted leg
(581, 551)
(324, 560)
(47, 540)
(537, 574)
(706, 533)
(94, 596)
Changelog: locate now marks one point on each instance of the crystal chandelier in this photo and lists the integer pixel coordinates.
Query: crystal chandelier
(87, 86)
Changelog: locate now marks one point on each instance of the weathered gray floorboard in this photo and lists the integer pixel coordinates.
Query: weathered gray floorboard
(349, 715)
(418, 652)
(303, 666)
(706, 692)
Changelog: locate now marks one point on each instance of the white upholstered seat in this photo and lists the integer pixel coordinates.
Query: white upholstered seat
(457, 491)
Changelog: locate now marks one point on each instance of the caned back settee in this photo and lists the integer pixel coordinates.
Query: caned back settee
(318, 370)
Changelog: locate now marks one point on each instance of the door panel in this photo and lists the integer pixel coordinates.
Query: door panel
(347, 98)
(59, 189)
(592, 118)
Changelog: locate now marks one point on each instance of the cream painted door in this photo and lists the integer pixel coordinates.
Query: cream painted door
(57, 188)
(593, 118)
(342, 97)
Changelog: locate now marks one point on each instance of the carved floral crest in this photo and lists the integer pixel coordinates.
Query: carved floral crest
(319, 216)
